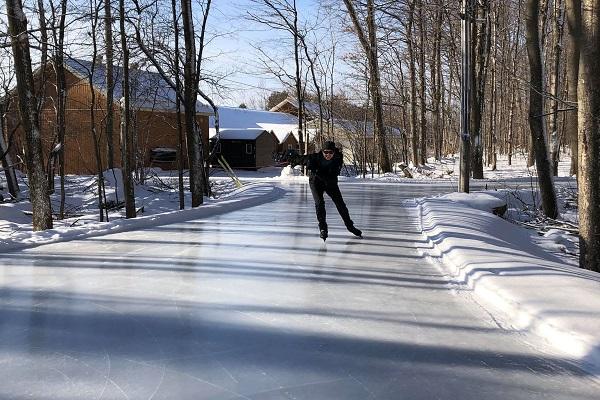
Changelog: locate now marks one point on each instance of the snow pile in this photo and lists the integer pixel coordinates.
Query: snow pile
(484, 201)
(288, 172)
(523, 285)
(157, 203)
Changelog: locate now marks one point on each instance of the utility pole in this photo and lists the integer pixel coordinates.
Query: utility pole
(465, 94)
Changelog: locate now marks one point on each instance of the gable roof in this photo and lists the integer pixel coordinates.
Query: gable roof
(311, 109)
(148, 89)
(232, 118)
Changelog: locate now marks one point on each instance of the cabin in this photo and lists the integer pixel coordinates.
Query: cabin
(250, 149)
(153, 117)
(242, 130)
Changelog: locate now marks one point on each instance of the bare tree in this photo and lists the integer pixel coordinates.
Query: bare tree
(573, 14)
(282, 15)
(190, 89)
(110, 84)
(413, 83)
(58, 34)
(128, 187)
(481, 51)
(557, 34)
(422, 94)
(5, 158)
(589, 137)
(536, 110)
(38, 184)
(5, 155)
(368, 41)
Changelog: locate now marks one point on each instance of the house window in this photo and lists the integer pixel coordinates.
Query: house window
(249, 148)
(290, 146)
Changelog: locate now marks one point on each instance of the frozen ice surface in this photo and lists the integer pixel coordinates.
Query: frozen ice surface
(252, 305)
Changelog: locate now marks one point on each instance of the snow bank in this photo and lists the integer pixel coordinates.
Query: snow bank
(515, 279)
(247, 196)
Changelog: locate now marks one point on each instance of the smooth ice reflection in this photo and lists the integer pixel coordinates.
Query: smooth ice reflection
(252, 305)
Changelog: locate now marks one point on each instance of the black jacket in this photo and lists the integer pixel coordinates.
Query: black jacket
(319, 168)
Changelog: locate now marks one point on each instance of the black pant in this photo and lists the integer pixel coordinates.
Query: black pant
(318, 187)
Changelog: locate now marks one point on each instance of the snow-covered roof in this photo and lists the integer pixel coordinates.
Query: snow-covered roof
(312, 109)
(238, 134)
(148, 89)
(233, 118)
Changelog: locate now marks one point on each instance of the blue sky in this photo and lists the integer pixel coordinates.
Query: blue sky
(232, 53)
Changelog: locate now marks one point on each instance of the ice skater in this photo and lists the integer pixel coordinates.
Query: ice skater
(323, 170)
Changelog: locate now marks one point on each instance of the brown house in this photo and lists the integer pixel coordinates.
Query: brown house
(154, 119)
(247, 148)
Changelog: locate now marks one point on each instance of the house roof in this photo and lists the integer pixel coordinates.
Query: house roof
(312, 109)
(233, 118)
(148, 89)
(238, 134)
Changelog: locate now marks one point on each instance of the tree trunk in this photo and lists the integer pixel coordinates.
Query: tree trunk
(189, 80)
(413, 84)
(298, 81)
(97, 154)
(422, 94)
(466, 90)
(536, 110)
(573, 11)
(110, 84)
(180, 142)
(38, 185)
(9, 169)
(436, 83)
(554, 85)
(588, 92)
(481, 47)
(128, 188)
(493, 95)
(61, 89)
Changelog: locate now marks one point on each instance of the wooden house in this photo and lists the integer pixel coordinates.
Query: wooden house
(243, 125)
(246, 148)
(154, 118)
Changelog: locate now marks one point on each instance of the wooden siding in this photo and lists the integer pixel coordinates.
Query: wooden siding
(154, 128)
(289, 143)
(266, 147)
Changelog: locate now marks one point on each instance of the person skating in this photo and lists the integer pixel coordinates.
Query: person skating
(323, 170)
